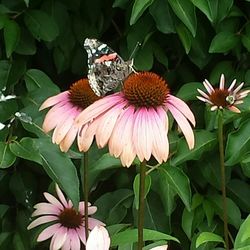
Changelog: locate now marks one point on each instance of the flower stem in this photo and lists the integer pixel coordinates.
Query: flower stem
(141, 205)
(223, 178)
(86, 193)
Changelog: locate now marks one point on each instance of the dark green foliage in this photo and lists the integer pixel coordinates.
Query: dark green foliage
(185, 41)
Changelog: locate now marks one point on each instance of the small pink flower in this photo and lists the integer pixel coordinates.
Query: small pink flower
(134, 122)
(67, 230)
(223, 97)
(65, 107)
(98, 239)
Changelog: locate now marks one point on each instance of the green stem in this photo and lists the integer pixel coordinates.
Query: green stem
(86, 194)
(223, 178)
(141, 205)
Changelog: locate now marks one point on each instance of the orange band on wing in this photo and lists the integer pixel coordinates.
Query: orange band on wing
(104, 58)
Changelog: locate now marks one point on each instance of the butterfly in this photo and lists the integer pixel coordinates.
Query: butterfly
(106, 69)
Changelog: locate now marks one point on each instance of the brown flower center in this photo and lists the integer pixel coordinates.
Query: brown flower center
(70, 218)
(145, 89)
(219, 97)
(81, 94)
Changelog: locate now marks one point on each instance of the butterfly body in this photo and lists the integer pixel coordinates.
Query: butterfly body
(107, 69)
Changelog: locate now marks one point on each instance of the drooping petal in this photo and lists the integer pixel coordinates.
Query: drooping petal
(59, 238)
(98, 108)
(48, 232)
(69, 138)
(98, 239)
(51, 101)
(81, 234)
(182, 107)
(106, 124)
(184, 125)
(42, 220)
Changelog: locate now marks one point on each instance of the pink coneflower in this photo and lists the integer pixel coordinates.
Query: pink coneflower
(67, 230)
(220, 98)
(65, 107)
(134, 122)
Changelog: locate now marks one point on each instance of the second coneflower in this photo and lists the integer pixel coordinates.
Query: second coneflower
(134, 122)
(65, 107)
(220, 98)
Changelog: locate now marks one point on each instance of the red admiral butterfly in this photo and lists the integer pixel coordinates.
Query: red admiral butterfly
(107, 69)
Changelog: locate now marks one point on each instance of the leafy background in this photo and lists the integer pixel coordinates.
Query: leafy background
(185, 41)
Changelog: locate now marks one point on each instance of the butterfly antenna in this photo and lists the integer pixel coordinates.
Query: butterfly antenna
(138, 44)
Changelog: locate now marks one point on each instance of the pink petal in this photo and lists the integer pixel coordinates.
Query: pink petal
(116, 141)
(68, 139)
(66, 245)
(59, 238)
(45, 208)
(53, 200)
(98, 239)
(55, 115)
(75, 241)
(159, 124)
(203, 93)
(222, 81)
(238, 88)
(64, 126)
(208, 86)
(81, 234)
(51, 101)
(106, 124)
(234, 109)
(182, 107)
(48, 232)
(86, 136)
(41, 220)
(98, 108)
(204, 100)
(184, 125)
(94, 222)
(61, 196)
(232, 85)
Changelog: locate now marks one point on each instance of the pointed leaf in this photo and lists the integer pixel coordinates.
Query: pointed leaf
(205, 237)
(7, 158)
(11, 36)
(138, 8)
(186, 12)
(177, 179)
(242, 241)
(204, 141)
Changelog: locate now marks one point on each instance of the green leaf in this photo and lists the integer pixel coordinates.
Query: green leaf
(26, 3)
(238, 144)
(35, 79)
(59, 168)
(114, 206)
(7, 158)
(161, 14)
(188, 91)
(18, 242)
(239, 190)
(204, 141)
(136, 187)
(245, 39)
(233, 212)
(41, 25)
(26, 149)
(223, 42)
(208, 7)
(209, 211)
(177, 179)
(245, 165)
(242, 240)
(185, 37)
(185, 10)
(11, 36)
(3, 19)
(5, 67)
(139, 7)
(187, 222)
(205, 237)
(131, 235)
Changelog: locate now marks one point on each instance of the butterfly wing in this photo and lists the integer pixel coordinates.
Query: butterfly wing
(106, 68)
